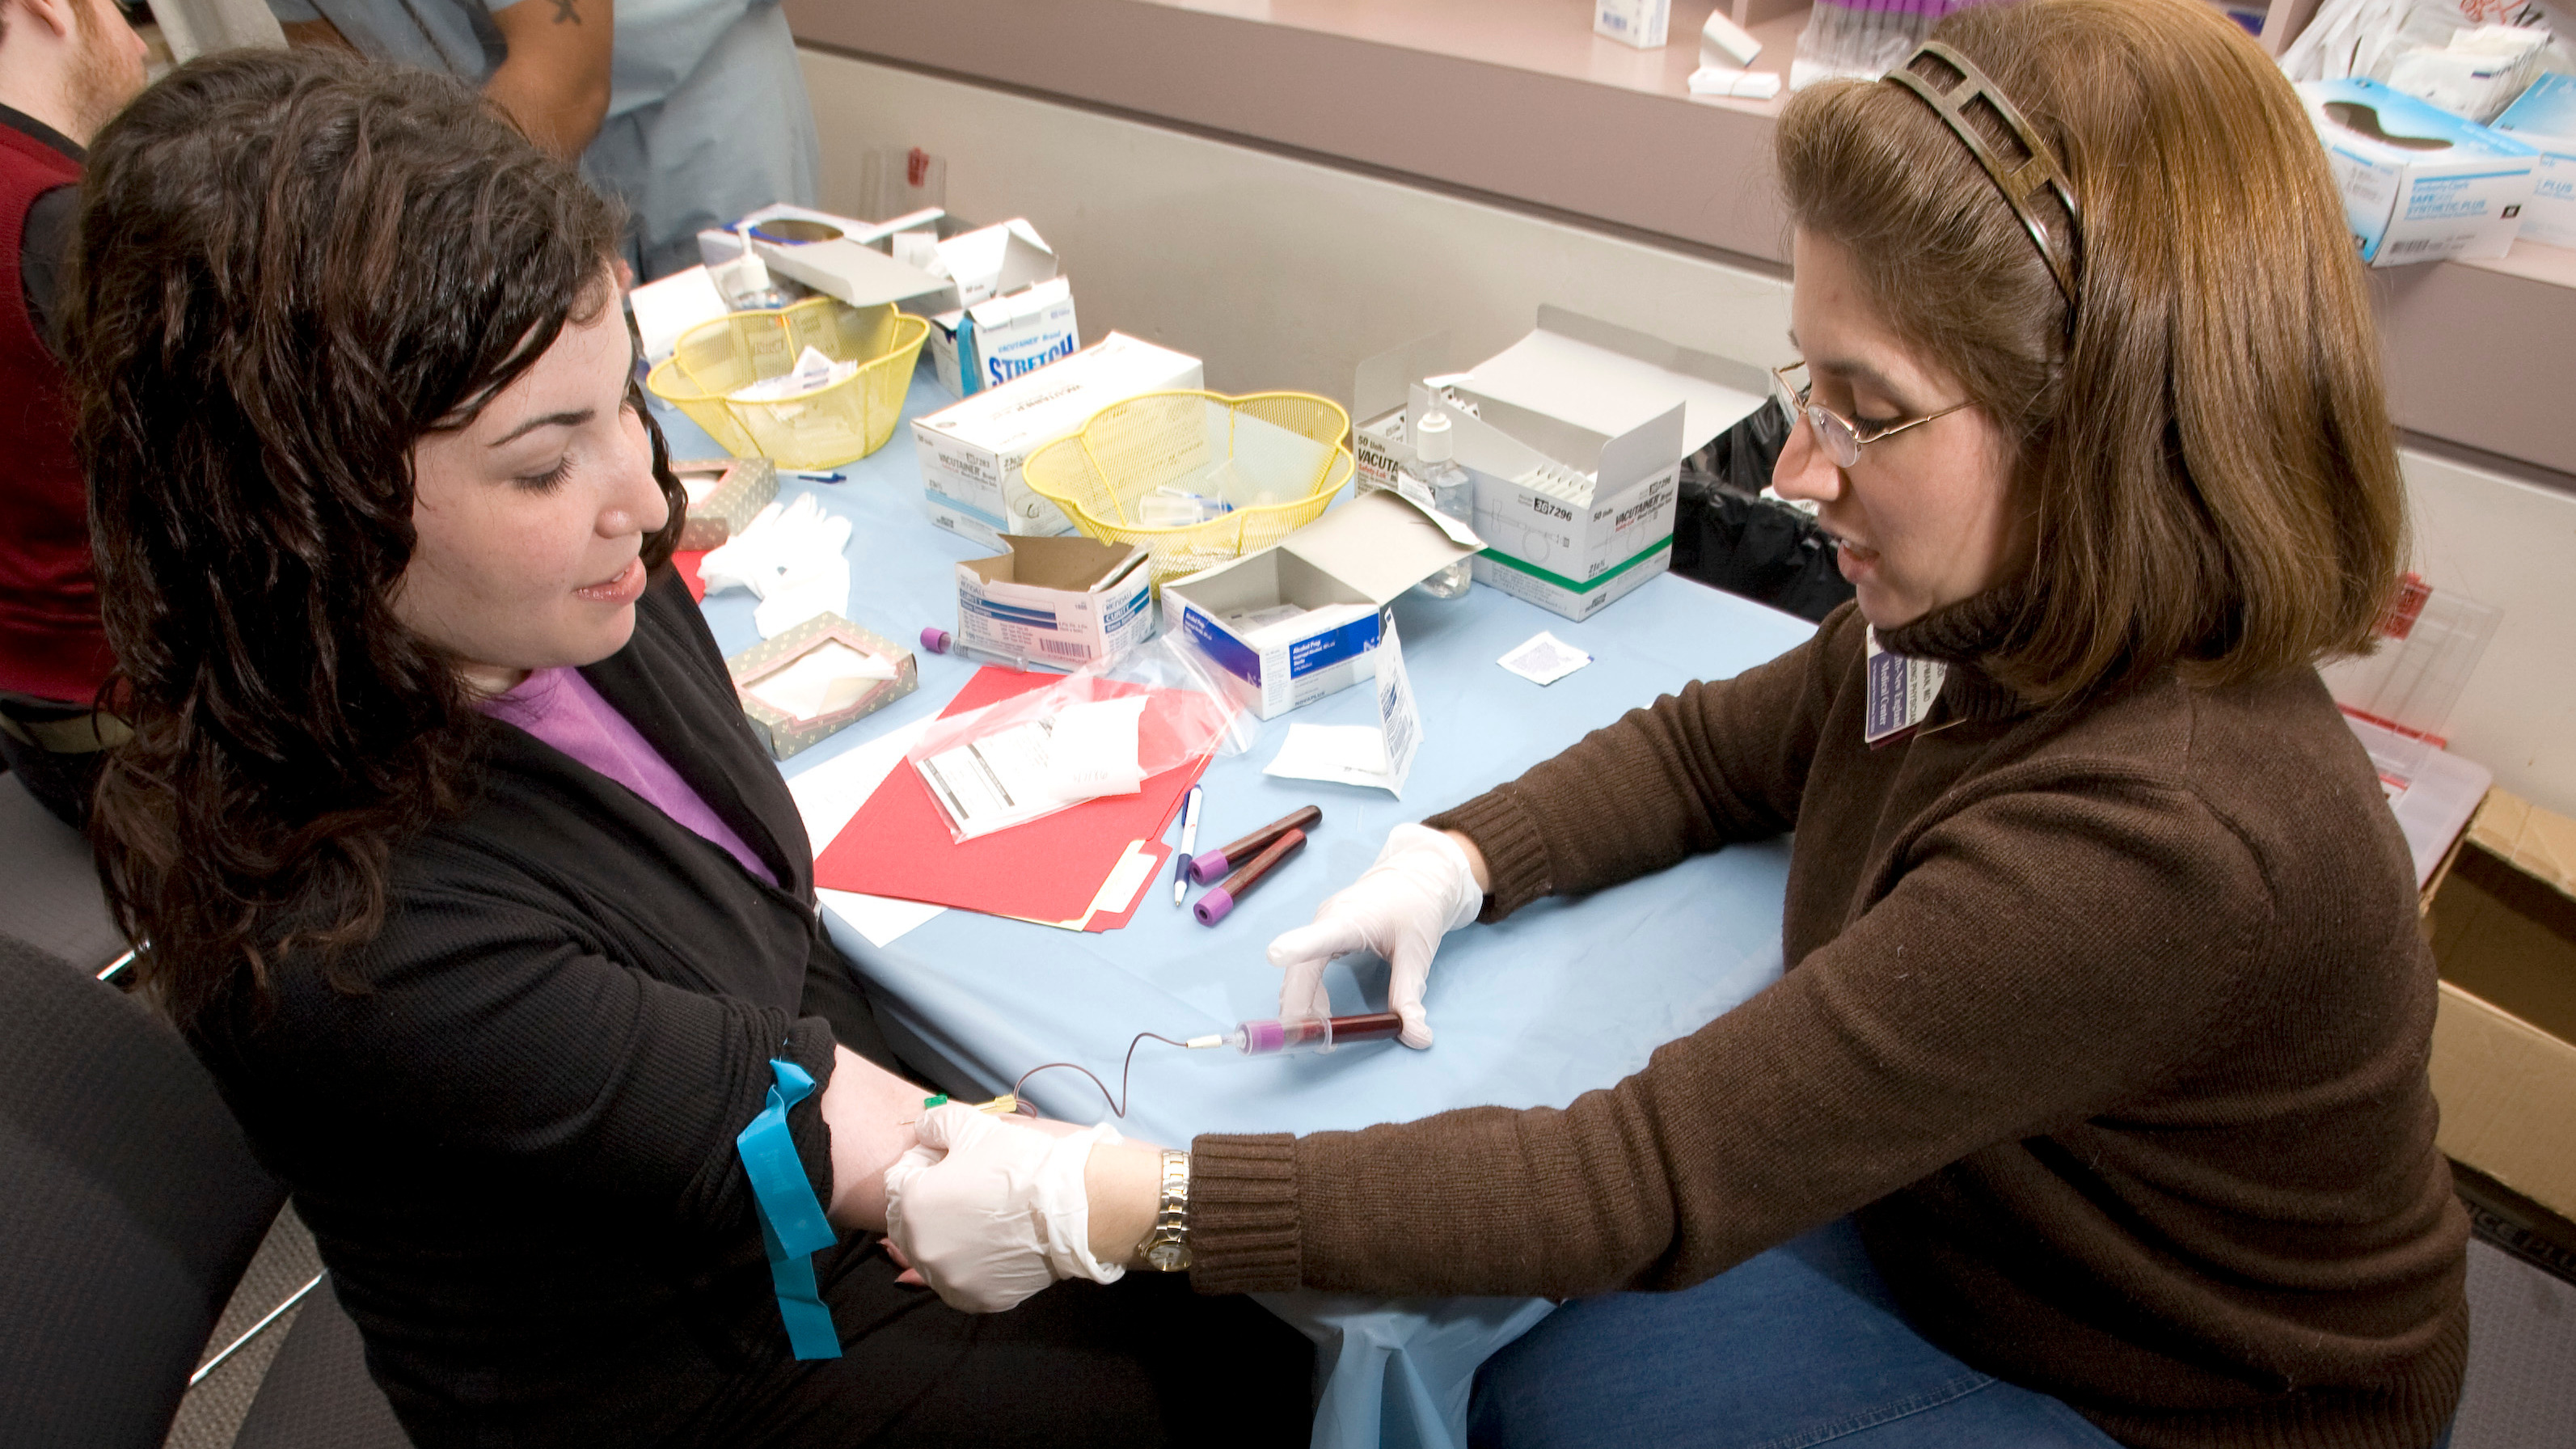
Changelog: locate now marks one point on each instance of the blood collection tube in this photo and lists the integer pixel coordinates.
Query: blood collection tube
(1212, 907)
(1207, 865)
(1311, 1033)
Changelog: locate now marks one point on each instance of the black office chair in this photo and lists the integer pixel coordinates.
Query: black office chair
(129, 1206)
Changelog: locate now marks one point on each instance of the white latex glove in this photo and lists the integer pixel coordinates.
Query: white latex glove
(1421, 889)
(989, 1212)
(792, 558)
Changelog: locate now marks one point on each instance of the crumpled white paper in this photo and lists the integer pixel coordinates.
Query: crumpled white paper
(812, 373)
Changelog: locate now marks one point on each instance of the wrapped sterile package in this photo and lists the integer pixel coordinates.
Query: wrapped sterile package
(1102, 731)
(814, 680)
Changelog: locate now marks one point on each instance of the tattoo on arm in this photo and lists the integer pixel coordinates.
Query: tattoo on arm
(565, 14)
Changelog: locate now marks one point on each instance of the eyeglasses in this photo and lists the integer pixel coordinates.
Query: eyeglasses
(1841, 439)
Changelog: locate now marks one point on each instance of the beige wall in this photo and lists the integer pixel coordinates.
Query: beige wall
(1285, 273)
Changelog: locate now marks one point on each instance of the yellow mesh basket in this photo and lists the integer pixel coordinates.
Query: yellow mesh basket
(838, 424)
(1276, 458)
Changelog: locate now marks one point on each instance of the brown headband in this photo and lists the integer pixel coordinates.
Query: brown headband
(2017, 183)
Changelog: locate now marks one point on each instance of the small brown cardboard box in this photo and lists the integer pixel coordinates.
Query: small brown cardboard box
(2504, 1042)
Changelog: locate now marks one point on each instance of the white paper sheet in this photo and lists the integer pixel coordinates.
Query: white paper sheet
(827, 796)
(1543, 658)
(1378, 756)
(1342, 754)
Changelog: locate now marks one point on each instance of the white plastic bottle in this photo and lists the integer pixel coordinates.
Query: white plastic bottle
(1448, 488)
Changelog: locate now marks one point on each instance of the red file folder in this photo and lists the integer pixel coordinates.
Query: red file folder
(1049, 870)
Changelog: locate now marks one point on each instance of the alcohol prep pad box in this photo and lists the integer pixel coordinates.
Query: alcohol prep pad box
(1303, 618)
(971, 453)
(2545, 118)
(2419, 184)
(1064, 601)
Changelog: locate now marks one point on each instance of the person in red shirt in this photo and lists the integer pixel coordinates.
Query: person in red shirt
(65, 67)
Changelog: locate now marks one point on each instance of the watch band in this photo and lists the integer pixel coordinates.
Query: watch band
(1166, 1247)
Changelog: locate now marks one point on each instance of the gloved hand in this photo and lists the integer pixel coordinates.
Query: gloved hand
(988, 1211)
(1421, 889)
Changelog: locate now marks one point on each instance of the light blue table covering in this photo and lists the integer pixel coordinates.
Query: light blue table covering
(1562, 998)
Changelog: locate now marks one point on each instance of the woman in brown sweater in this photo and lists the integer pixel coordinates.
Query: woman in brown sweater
(2107, 1012)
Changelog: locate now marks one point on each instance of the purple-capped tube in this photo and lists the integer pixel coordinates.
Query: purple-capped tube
(1311, 1033)
(1291, 1034)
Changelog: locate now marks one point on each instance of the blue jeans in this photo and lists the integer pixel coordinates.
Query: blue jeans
(1798, 1346)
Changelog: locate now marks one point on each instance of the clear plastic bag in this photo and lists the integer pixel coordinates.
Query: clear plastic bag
(1103, 730)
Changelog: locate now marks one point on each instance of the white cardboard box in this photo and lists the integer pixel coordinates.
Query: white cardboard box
(1062, 601)
(1644, 24)
(1576, 434)
(1003, 337)
(991, 272)
(2545, 118)
(1345, 568)
(2419, 184)
(1380, 389)
(971, 452)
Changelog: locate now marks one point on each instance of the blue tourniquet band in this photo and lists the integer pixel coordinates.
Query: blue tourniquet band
(792, 1227)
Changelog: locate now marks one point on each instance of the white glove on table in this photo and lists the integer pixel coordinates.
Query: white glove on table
(1421, 889)
(989, 1211)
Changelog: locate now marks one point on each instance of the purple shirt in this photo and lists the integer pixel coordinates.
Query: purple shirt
(559, 707)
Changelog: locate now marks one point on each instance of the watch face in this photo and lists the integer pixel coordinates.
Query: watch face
(1167, 1257)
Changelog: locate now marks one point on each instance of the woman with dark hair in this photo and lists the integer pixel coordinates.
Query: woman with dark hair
(454, 854)
(2100, 1058)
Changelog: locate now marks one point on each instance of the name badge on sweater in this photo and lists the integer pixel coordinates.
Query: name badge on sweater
(1901, 692)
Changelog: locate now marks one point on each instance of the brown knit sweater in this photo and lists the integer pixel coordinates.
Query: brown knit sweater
(2110, 1024)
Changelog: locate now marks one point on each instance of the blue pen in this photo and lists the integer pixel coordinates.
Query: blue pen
(1189, 842)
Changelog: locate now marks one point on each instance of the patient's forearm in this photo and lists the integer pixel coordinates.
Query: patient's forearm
(870, 1111)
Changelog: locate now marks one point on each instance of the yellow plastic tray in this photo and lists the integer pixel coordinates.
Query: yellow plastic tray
(839, 424)
(1277, 457)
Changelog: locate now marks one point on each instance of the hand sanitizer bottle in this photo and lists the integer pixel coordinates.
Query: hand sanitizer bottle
(1447, 488)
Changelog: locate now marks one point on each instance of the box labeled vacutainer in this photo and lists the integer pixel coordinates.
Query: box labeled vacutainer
(2545, 119)
(1304, 617)
(2419, 184)
(971, 453)
(1064, 601)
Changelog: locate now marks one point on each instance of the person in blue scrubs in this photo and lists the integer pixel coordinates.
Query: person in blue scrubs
(692, 112)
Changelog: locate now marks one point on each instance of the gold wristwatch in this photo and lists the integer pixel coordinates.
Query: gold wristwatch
(1166, 1248)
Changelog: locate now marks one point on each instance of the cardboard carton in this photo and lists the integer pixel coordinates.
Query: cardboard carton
(971, 453)
(1645, 24)
(1008, 312)
(838, 256)
(999, 339)
(1380, 389)
(1062, 601)
(792, 709)
(2504, 1040)
(2419, 184)
(1338, 574)
(1571, 541)
(1577, 469)
(2545, 119)
(725, 495)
